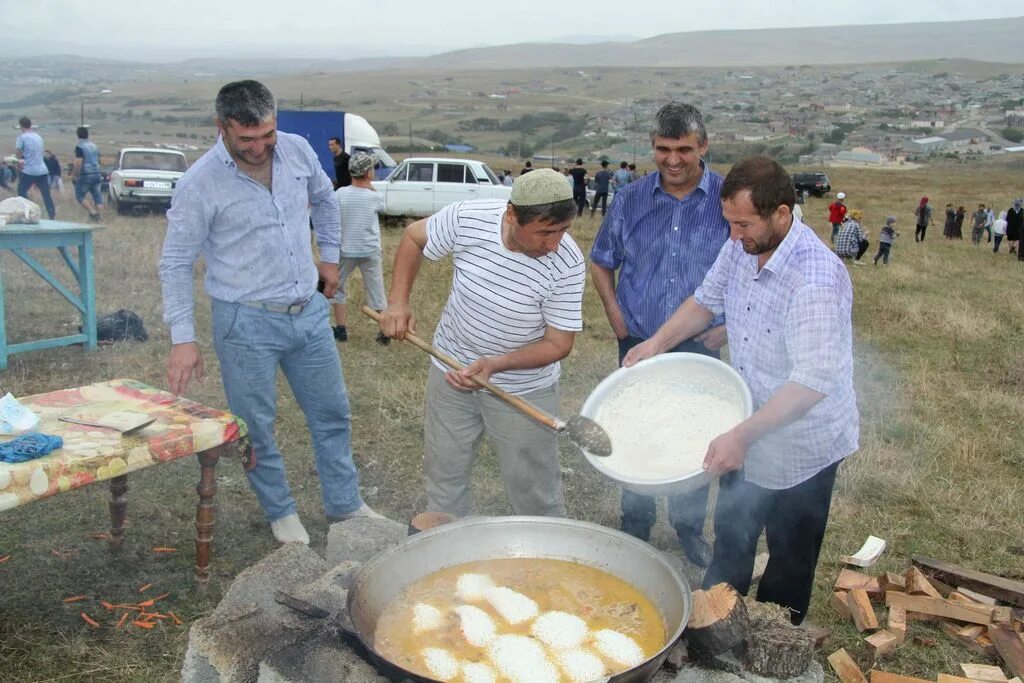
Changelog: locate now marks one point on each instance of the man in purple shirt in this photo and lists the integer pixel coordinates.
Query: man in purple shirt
(661, 236)
(787, 301)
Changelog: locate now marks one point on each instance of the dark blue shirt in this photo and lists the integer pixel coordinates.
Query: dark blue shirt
(662, 247)
(601, 180)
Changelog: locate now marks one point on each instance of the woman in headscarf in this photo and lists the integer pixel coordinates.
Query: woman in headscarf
(949, 227)
(1015, 226)
(923, 217)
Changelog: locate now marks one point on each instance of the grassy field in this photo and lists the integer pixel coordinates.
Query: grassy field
(939, 375)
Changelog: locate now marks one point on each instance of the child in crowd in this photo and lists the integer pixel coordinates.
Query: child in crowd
(885, 240)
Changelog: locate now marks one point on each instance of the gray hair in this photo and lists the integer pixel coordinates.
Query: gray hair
(676, 120)
(249, 103)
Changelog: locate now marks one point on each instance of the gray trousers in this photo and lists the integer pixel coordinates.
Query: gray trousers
(372, 270)
(454, 426)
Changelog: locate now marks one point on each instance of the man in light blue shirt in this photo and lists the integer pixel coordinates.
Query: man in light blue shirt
(33, 171)
(245, 206)
(787, 301)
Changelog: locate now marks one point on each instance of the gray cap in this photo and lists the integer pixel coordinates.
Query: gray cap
(542, 186)
(360, 164)
(889, 220)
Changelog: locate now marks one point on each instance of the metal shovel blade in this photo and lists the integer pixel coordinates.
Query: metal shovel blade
(589, 436)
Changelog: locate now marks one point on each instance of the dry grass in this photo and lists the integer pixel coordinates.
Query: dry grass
(938, 339)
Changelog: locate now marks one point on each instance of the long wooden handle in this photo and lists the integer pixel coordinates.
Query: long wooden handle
(514, 401)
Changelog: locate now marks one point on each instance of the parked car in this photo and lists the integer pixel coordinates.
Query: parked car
(422, 185)
(812, 183)
(145, 178)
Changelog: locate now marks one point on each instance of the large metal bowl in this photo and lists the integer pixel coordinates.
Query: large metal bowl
(691, 369)
(387, 574)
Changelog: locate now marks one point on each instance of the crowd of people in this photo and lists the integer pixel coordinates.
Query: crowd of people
(850, 239)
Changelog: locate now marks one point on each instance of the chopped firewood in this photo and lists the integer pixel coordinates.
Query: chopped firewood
(897, 623)
(844, 666)
(918, 584)
(1002, 614)
(971, 631)
(719, 620)
(973, 644)
(861, 611)
(977, 597)
(882, 643)
(984, 672)
(428, 520)
(838, 602)
(926, 618)
(1010, 648)
(819, 634)
(886, 677)
(960, 597)
(1006, 590)
(868, 554)
(946, 678)
(849, 579)
(777, 649)
(947, 609)
(891, 581)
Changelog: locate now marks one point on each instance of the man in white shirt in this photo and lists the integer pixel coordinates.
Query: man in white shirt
(787, 301)
(512, 315)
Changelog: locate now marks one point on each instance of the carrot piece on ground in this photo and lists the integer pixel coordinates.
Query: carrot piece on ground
(145, 587)
(177, 621)
(152, 601)
(143, 624)
(75, 598)
(92, 622)
(161, 549)
(4, 558)
(100, 535)
(57, 553)
(124, 618)
(156, 615)
(106, 604)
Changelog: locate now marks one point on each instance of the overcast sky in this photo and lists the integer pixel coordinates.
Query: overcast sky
(342, 29)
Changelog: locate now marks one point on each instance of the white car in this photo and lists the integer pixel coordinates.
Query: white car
(145, 178)
(420, 186)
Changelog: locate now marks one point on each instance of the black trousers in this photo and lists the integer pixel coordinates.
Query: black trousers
(862, 248)
(999, 238)
(793, 520)
(883, 252)
(579, 195)
(602, 199)
(686, 511)
(919, 232)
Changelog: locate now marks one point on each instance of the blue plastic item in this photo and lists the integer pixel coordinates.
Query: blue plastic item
(29, 446)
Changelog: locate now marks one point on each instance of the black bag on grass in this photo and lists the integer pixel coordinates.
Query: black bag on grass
(121, 326)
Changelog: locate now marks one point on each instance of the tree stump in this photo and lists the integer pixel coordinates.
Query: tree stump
(719, 621)
(777, 649)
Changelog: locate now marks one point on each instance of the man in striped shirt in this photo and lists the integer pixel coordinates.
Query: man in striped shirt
(512, 314)
(787, 300)
(662, 235)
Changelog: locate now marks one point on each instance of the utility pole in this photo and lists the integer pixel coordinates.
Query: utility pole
(552, 151)
(300, 101)
(410, 135)
(82, 103)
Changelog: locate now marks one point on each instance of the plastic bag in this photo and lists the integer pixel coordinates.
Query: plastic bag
(14, 417)
(20, 210)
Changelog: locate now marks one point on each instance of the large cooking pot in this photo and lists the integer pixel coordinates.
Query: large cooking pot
(381, 579)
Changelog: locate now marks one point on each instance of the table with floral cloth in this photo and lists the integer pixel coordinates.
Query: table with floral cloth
(181, 428)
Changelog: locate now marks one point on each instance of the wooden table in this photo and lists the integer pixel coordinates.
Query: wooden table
(182, 428)
(63, 236)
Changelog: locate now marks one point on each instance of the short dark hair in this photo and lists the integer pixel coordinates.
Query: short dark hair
(335, 139)
(632, 167)
(579, 162)
(604, 163)
(677, 120)
(767, 181)
(622, 164)
(554, 212)
(249, 103)
(528, 163)
(25, 122)
(83, 133)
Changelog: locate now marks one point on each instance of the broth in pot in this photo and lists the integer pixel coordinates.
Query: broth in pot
(519, 620)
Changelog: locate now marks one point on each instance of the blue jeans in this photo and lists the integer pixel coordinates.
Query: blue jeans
(25, 181)
(251, 343)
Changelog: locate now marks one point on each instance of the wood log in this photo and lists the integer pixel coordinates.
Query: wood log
(897, 623)
(429, 520)
(849, 579)
(838, 602)
(863, 613)
(983, 672)
(1010, 647)
(918, 584)
(1006, 590)
(882, 643)
(777, 649)
(844, 666)
(886, 677)
(818, 634)
(946, 678)
(891, 581)
(976, 596)
(947, 609)
(973, 644)
(719, 620)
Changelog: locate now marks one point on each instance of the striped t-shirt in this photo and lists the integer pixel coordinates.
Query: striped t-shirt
(502, 300)
(360, 229)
